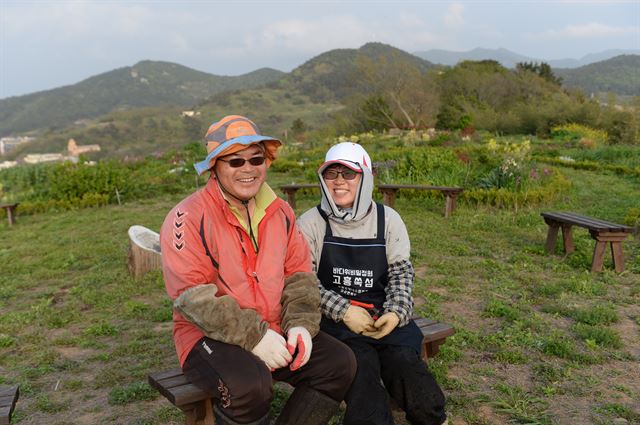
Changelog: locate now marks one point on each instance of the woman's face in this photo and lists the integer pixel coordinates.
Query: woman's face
(342, 191)
(245, 181)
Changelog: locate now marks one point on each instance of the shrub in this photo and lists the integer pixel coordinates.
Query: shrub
(583, 136)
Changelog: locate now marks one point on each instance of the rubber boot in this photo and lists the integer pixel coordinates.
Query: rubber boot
(309, 407)
(222, 419)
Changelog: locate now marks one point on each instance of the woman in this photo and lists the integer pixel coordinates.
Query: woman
(360, 251)
(246, 303)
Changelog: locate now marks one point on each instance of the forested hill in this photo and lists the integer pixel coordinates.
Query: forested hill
(148, 83)
(337, 73)
(620, 75)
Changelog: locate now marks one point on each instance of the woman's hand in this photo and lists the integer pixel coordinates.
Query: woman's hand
(358, 319)
(384, 325)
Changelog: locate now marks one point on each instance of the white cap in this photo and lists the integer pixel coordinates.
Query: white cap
(351, 155)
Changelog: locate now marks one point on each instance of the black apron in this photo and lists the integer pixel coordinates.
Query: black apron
(357, 270)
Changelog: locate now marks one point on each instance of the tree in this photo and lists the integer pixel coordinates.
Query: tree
(541, 69)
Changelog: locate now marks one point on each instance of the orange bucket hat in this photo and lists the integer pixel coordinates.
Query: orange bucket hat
(231, 134)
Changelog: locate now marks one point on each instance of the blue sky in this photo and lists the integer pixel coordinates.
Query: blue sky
(47, 44)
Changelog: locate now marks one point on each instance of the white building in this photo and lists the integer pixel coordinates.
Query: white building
(7, 144)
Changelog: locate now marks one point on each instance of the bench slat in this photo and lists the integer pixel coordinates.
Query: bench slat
(437, 332)
(586, 222)
(8, 399)
(420, 187)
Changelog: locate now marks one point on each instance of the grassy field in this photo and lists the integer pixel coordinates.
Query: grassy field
(540, 340)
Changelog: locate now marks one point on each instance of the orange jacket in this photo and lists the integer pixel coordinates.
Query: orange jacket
(202, 242)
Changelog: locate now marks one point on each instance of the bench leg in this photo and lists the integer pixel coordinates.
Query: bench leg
(201, 413)
(618, 256)
(598, 256)
(11, 216)
(450, 205)
(552, 236)
(291, 198)
(389, 197)
(567, 238)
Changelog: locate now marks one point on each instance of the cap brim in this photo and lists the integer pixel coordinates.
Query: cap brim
(202, 166)
(351, 165)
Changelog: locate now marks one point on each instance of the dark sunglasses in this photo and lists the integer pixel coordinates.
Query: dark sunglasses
(239, 162)
(332, 174)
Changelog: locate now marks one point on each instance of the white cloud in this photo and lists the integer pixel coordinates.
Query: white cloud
(590, 30)
(454, 15)
(407, 20)
(313, 35)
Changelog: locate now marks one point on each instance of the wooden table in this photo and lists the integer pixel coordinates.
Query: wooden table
(11, 215)
(450, 193)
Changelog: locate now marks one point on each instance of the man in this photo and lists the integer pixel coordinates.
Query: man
(246, 303)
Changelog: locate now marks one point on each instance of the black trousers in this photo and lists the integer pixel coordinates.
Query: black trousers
(242, 383)
(405, 377)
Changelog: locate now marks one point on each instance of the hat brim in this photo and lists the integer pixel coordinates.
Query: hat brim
(204, 165)
(351, 165)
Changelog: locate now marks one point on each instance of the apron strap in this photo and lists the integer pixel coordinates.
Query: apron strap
(380, 218)
(380, 210)
(326, 221)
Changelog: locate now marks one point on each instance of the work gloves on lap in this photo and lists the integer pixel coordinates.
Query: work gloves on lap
(299, 339)
(272, 349)
(358, 319)
(383, 326)
(276, 352)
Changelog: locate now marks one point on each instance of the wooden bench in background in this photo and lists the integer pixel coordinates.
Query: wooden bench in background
(196, 403)
(388, 193)
(602, 231)
(11, 212)
(291, 189)
(8, 399)
(450, 193)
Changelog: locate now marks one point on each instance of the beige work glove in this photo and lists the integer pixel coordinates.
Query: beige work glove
(358, 319)
(384, 325)
(272, 349)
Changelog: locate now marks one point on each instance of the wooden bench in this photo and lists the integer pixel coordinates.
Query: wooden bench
(388, 193)
(196, 403)
(8, 398)
(450, 193)
(11, 215)
(291, 189)
(602, 231)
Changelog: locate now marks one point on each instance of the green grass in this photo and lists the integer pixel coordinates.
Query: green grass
(539, 338)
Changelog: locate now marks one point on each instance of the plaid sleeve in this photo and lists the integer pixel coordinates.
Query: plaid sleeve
(399, 288)
(334, 306)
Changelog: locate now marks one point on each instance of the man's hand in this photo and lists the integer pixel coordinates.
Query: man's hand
(300, 338)
(384, 325)
(358, 319)
(272, 349)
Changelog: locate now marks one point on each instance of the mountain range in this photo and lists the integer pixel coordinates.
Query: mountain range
(321, 83)
(509, 59)
(146, 83)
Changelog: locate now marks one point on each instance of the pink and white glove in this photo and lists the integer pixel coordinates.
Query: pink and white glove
(300, 338)
(272, 349)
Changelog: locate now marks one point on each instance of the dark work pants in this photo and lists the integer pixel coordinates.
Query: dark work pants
(241, 383)
(405, 377)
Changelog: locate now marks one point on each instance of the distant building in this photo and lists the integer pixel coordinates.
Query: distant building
(7, 144)
(37, 158)
(190, 114)
(75, 150)
(7, 164)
